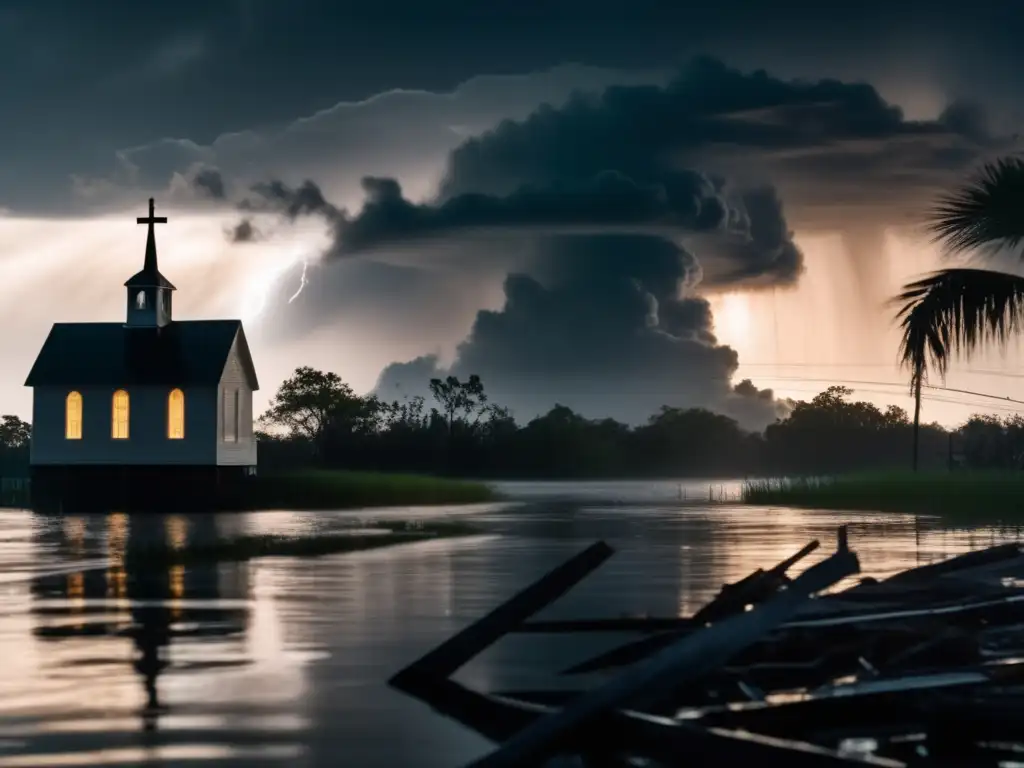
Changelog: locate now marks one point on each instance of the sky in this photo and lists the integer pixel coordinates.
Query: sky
(605, 208)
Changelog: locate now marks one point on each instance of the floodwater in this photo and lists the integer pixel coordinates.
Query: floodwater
(284, 661)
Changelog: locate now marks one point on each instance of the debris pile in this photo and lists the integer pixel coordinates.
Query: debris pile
(925, 668)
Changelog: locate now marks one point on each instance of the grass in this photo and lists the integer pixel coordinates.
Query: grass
(335, 489)
(980, 496)
(248, 547)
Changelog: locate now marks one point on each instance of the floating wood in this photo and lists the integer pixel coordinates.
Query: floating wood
(448, 657)
(690, 656)
(929, 657)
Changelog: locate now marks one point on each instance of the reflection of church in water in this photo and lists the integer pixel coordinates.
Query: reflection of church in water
(153, 608)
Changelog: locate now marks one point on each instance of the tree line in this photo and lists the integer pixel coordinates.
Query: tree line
(316, 419)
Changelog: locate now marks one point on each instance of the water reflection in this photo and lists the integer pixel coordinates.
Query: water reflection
(283, 661)
(129, 599)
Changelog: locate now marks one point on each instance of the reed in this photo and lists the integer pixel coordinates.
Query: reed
(985, 496)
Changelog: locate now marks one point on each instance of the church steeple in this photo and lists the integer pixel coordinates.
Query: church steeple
(149, 265)
(149, 292)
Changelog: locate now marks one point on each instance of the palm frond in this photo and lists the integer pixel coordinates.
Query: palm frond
(987, 212)
(952, 312)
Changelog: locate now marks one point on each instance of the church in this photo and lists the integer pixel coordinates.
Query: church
(152, 409)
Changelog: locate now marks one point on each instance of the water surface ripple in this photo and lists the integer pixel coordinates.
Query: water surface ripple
(283, 661)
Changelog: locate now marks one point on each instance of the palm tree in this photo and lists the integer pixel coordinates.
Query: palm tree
(954, 311)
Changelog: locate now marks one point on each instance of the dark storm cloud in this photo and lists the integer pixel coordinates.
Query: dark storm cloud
(816, 140)
(596, 320)
(243, 232)
(210, 182)
(292, 202)
(603, 329)
(624, 159)
(125, 75)
(687, 202)
(751, 236)
(397, 132)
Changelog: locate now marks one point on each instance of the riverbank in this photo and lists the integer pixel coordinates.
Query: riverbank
(968, 496)
(338, 489)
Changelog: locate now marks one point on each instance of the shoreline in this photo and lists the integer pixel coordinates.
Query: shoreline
(963, 497)
(298, 490)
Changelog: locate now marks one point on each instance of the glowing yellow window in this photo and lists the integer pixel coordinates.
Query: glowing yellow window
(119, 416)
(176, 415)
(73, 416)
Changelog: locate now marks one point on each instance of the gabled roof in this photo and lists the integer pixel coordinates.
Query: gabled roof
(182, 354)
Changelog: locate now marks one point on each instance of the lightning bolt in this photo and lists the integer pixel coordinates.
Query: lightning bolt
(302, 282)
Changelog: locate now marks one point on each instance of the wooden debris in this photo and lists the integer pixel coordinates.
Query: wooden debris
(927, 666)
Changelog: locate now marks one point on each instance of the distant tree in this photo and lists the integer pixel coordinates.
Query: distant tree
(403, 415)
(310, 403)
(320, 419)
(498, 423)
(896, 416)
(14, 433)
(989, 442)
(459, 398)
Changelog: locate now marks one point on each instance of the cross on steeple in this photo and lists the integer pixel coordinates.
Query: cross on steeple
(149, 292)
(149, 266)
(151, 219)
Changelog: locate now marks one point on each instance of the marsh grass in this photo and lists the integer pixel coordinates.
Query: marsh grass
(335, 489)
(964, 495)
(248, 547)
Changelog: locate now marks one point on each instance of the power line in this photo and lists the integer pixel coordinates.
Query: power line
(895, 384)
(887, 366)
(928, 398)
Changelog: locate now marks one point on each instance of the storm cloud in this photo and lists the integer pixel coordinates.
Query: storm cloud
(399, 132)
(750, 235)
(629, 203)
(655, 159)
(823, 143)
(605, 325)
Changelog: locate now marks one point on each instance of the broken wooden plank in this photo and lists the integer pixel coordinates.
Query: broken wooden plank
(691, 656)
(734, 598)
(864, 617)
(624, 624)
(636, 651)
(665, 740)
(448, 657)
(959, 562)
(624, 655)
(857, 704)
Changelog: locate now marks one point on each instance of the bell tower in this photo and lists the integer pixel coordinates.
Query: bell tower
(149, 292)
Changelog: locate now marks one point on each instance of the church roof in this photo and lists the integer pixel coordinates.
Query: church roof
(149, 279)
(181, 354)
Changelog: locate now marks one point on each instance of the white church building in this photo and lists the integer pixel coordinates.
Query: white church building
(150, 405)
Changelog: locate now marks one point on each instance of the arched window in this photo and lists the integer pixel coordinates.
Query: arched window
(140, 300)
(176, 415)
(119, 416)
(73, 416)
